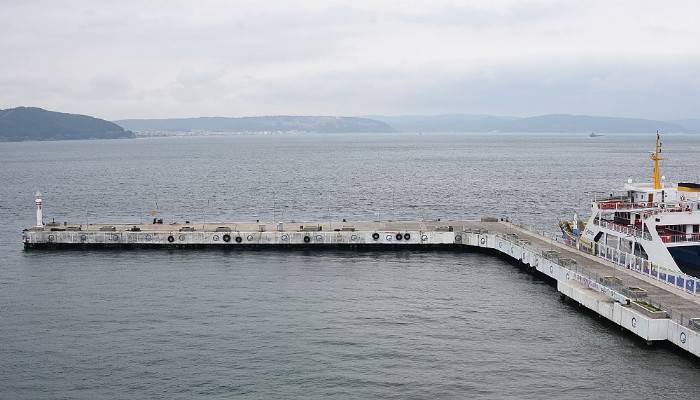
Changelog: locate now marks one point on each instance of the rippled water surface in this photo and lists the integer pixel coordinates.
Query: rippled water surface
(334, 324)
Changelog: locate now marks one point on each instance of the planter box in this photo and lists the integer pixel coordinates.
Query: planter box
(634, 293)
(695, 324)
(661, 314)
(610, 281)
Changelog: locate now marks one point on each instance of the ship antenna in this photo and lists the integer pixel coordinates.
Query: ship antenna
(656, 157)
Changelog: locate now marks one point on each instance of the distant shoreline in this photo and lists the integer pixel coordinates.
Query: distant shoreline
(291, 134)
(35, 124)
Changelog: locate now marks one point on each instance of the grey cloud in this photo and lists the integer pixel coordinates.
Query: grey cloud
(583, 86)
(470, 15)
(160, 59)
(199, 77)
(116, 87)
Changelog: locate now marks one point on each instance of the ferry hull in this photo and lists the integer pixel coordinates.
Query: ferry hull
(687, 258)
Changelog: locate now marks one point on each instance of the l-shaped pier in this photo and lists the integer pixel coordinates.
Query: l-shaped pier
(653, 309)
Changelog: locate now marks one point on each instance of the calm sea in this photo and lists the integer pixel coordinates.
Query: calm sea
(331, 325)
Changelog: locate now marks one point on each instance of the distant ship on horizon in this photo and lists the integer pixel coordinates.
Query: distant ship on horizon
(593, 134)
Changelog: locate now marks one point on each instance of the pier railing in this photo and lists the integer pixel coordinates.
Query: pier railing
(566, 263)
(675, 279)
(593, 279)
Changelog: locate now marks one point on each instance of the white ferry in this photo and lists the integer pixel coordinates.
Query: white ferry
(656, 225)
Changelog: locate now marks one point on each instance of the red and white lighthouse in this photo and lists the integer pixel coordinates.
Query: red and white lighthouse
(39, 215)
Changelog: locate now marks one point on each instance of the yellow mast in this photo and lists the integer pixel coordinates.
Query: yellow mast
(656, 157)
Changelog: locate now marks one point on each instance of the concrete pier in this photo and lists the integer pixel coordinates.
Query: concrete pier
(653, 310)
(248, 234)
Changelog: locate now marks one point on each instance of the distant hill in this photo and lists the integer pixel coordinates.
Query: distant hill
(544, 123)
(259, 124)
(691, 125)
(585, 123)
(445, 123)
(30, 123)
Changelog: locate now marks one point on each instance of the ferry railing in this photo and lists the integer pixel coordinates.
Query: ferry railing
(627, 230)
(602, 196)
(689, 237)
(673, 208)
(676, 279)
(593, 278)
(615, 204)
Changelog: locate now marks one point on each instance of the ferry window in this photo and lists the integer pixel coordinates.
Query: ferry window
(639, 251)
(696, 228)
(611, 241)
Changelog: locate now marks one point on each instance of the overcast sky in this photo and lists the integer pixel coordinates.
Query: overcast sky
(122, 59)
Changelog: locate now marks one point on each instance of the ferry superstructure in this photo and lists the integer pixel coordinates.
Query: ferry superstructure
(655, 226)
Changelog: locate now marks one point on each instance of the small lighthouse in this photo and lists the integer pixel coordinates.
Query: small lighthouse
(39, 215)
